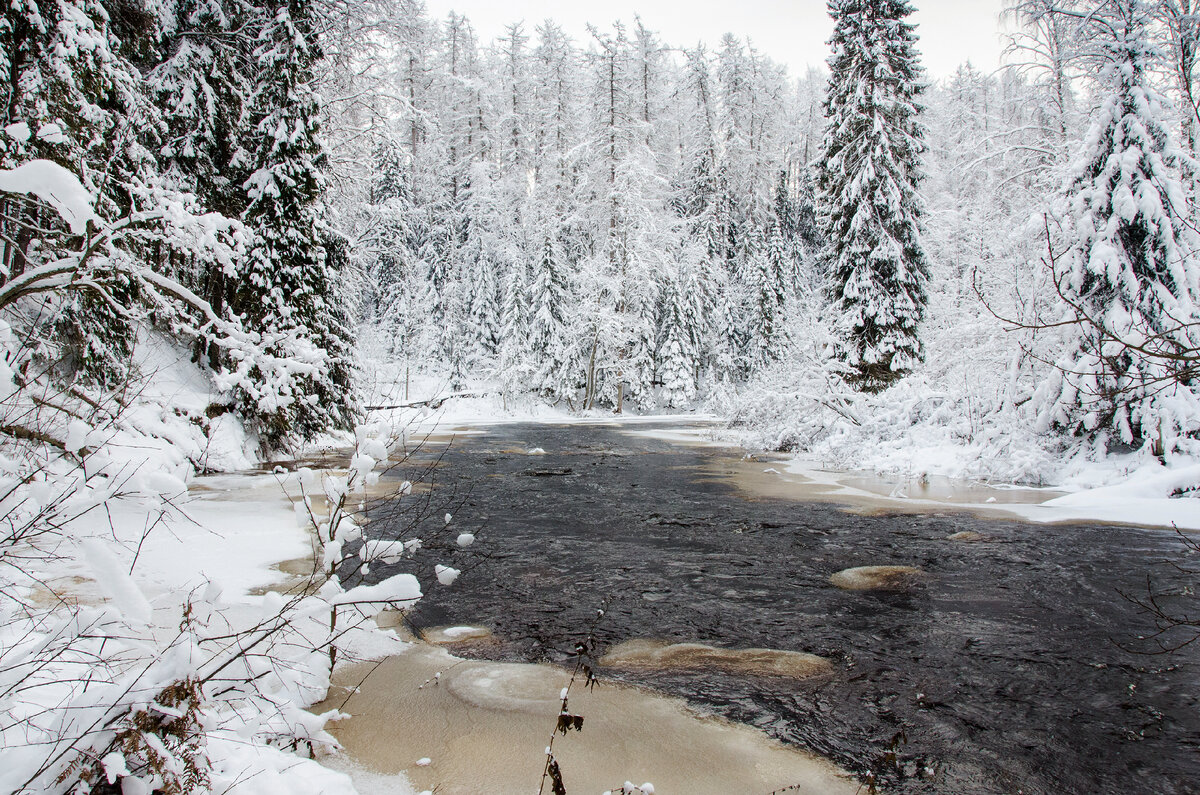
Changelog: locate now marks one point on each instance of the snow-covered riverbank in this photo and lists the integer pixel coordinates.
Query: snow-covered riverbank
(150, 573)
(229, 543)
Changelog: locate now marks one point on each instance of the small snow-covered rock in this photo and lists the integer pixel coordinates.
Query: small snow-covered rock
(466, 539)
(424, 762)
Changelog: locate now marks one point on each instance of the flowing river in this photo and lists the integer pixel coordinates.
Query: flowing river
(1010, 662)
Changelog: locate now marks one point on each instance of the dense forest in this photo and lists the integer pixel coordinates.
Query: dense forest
(616, 222)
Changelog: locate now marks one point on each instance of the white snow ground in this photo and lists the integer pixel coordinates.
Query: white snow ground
(231, 532)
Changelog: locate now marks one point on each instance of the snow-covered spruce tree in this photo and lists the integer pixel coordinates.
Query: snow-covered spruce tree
(484, 312)
(1127, 268)
(680, 335)
(72, 96)
(515, 358)
(202, 89)
(548, 296)
(291, 285)
(767, 278)
(867, 177)
(384, 227)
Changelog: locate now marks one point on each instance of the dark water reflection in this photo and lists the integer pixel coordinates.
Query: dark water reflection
(1003, 669)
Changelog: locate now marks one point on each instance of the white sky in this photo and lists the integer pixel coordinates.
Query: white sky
(789, 31)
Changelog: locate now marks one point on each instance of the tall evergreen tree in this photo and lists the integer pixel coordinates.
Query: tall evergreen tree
(867, 178)
(515, 361)
(548, 295)
(71, 94)
(292, 285)
(767, 282)
(485, 304)
(202, 89)
(676, 356)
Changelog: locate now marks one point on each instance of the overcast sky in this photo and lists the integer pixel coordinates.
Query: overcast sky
(789, 31)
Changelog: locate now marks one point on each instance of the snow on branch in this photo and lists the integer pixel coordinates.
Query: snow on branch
(57, 187)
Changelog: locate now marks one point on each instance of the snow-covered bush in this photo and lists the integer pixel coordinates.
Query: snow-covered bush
(107, 261)
(1123, 258)
(141, 694)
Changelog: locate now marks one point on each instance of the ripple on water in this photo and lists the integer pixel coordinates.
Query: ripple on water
(1006, 665)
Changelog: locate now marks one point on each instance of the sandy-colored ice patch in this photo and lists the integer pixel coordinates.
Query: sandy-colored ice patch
(449, 636)
(641, 655)
(877, 578)
(484, 726)
(778, 477)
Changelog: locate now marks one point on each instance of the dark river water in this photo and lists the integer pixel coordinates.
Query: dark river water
(1005, 671)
